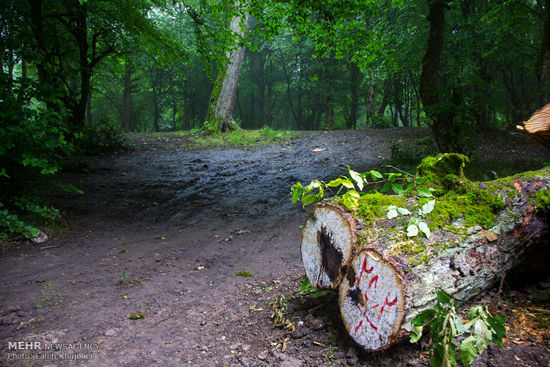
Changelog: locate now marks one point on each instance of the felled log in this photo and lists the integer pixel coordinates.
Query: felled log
(385, 279)
(538, 126)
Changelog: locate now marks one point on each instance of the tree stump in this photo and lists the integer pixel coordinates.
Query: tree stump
(478, 232)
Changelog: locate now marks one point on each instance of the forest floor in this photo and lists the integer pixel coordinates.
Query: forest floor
(162, 232)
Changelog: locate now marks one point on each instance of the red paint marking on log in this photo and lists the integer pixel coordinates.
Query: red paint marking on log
(386, 303)
(392, 302)
(371, 324)
(373, 280)
(364, 270)
(358, 326)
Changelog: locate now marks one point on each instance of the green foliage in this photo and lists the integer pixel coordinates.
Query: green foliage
(446, 327)
(49, 298)
(103, 138)
(137, 315)
(244, 274)
(34, 141)
(243, 137)
(315, 191)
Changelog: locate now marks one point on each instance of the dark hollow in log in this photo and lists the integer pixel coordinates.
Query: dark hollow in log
(386, 278)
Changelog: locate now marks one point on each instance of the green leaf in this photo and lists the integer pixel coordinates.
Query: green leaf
(497, 326)
(403, 211)
(412, 230)
(424, 317)
(416, 334)
(392, 213)
(423, 227)
(344, 181)
(468, 350)
(424, 192)
(397, 188)
(357, 178)
(443, 297)
(393, 176)
(427, 208)
(350, 199)
(296, 192)
(376, 175)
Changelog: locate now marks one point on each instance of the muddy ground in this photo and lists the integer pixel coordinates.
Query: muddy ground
(162, 232)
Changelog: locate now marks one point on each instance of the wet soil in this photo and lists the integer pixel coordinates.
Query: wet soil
(162, 233)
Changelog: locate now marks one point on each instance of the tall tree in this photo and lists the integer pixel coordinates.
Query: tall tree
(222, 99)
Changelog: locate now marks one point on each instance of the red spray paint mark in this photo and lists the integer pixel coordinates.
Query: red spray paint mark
(386, 303)
(364, 270)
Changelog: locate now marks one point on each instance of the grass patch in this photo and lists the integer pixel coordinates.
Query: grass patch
(264, 136)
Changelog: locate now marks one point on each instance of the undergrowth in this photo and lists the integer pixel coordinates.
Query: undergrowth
(263, 136)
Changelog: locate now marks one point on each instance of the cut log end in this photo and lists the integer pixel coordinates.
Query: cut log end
(372, 301)
(327, 240)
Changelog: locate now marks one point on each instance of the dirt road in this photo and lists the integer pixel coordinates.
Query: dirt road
(161, 234)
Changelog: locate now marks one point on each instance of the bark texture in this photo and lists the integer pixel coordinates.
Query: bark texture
(222, 100)
(386, 279)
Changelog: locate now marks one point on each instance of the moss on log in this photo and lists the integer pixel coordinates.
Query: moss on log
(479, 230)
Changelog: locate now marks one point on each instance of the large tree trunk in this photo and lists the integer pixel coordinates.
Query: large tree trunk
(127, 98)
(543, 73)
(385, 278)
(429, 79)
(354, 91)
(222, 99)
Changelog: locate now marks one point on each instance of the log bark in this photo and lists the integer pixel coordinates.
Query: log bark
(385, 279)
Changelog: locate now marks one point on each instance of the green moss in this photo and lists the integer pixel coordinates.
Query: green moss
(373, 206)
(412, 246)
(444, 172)
(212, 123)
(474, 207)
(457, 197)
(542, 200)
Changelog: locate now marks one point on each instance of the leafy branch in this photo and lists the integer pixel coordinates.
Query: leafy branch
(355, 184)
(446, 327)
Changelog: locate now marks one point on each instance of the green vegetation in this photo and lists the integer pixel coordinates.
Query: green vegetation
(446, 327)
(137, 315)
(263, 136)
(244, 274)
(75, 74)
(49, 297)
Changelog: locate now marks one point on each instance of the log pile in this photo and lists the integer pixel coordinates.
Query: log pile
(386, 278)
(538, 126)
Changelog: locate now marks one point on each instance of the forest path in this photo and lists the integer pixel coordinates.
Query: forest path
(177, 225)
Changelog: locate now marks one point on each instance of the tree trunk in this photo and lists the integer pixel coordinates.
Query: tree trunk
(89, 118)
(222, 99)
(354, 91)
(386, 279)
(544, 59)
(429, 79)
(127, 98)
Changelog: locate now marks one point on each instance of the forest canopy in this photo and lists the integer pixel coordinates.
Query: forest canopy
(73, 70)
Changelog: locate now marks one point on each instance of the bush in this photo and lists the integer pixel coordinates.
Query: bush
(33, 143)
(103, 138)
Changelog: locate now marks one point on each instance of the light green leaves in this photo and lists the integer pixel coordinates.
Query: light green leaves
(394, 211)
(427, 208)
(351, 199)
(357, 178)
(412, 230)
(416, 224)
(423, 227)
